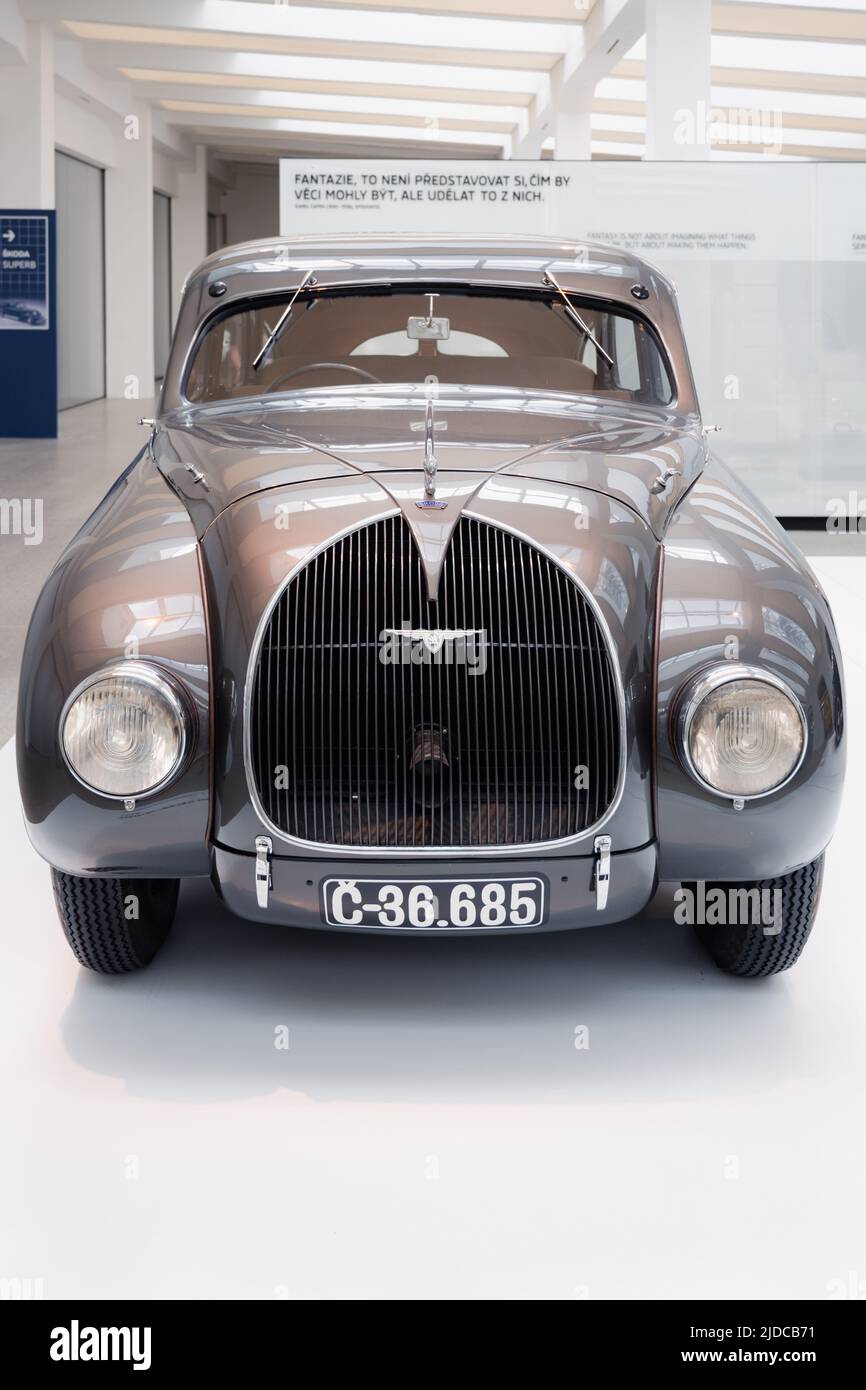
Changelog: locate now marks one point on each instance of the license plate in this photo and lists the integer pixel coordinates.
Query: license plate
(453, 904)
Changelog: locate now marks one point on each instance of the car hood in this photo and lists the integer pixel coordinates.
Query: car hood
(218, 454)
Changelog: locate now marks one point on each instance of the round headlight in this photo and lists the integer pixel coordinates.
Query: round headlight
(126, 730)
(742, 732)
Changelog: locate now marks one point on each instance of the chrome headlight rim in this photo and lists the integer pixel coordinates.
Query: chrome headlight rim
(175, 694)
(696, 690)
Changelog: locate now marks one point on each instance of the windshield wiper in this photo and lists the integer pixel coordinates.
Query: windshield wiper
(550, 279)
(270, 340)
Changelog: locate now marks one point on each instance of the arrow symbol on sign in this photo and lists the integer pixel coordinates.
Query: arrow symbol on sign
(9, 235)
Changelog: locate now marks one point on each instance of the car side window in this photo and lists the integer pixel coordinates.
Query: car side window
(625, 353)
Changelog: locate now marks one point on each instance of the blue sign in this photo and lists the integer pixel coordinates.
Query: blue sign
(24, 280)
(28, 340)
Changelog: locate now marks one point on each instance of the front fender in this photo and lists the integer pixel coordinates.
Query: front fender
(128, 585)
(735, 586)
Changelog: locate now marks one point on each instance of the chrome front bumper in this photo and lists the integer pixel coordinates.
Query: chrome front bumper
(575, 898)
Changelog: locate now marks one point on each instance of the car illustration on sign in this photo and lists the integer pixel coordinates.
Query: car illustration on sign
(427, 608)
(22, 313)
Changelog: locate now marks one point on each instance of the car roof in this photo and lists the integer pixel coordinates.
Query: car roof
(370, 254)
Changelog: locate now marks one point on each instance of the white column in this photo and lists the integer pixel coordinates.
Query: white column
(188, 220)
(129, 261)
(678, 78)
(573, 134)
(528, 143)
(27, 123)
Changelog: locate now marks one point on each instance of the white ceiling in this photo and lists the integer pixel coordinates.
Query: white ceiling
(460, 76)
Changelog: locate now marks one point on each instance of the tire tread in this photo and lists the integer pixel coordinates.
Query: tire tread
(91, 912)
(746, 950)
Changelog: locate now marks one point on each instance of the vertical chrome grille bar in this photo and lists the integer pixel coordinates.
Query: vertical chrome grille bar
(303, 587)
(500, 779)
(282, 700)
(571, 751)
(540, 699)
(480, 805)
(595, 760)
(556, 710)
(406, 677)
(606, 710)
(448, 596)
(372, 658)
(466, 729)
(327, 709)
(395, 540)
(519, 710)
(548, 662)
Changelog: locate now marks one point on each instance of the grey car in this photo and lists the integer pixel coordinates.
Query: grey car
(426, 608)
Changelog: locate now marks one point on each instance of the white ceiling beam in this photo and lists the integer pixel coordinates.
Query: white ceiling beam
(346, 115)
(151, 83)
(812, 4)
(560, 12)
(205, 19)
(753, 19)
(433, 139)
(620, 98)
(761, 78)
(253, 102)
(829, 105)
(613, 27)
(838, 59)
(264, 68)
(238, 149)
(401, 50)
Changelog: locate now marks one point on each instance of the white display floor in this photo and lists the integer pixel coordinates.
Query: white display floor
(432, 1131)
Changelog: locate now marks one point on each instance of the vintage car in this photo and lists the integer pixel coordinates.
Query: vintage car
(426, 608)
(24, 313)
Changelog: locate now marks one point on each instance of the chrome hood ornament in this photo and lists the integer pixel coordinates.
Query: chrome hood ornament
(430, 463)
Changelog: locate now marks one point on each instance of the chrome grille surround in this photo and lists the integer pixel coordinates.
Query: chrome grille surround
(278, 617)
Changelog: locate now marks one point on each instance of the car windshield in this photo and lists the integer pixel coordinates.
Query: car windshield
(524, 341)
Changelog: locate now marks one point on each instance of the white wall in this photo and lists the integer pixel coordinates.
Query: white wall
(27, 122)
(252, 204)
(81, 133)
(129, 262)
(51, 100)
(80, 281)
(164, 173)
(188, 220)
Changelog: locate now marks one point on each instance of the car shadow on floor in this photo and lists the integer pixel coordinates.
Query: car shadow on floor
(482, 1020)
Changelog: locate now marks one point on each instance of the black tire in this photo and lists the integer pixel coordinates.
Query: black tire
(749, 950)
(97, 916)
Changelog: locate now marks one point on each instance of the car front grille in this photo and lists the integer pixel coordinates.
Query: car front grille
(369, 727)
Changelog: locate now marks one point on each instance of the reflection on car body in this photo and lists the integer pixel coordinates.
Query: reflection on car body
(252, 661)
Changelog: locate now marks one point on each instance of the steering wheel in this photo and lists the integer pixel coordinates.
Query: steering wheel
(330, 366)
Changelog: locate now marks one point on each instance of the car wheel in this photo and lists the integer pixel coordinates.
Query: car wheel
(114, 925)
(751, 950)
